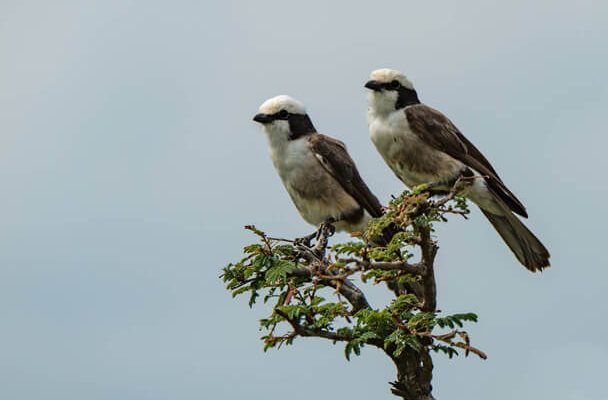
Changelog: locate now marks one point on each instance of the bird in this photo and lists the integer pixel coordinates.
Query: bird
(318, 173)
(422, 146)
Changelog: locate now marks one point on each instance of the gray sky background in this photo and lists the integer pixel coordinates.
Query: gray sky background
(129, 164)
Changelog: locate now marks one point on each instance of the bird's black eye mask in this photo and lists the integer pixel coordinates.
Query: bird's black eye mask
(269, 118)
(283, 114)
(392, 85)
(405, 97)
(378, 86)
(299, 124)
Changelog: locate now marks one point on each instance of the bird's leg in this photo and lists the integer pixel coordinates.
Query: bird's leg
(463, 181)
(457, 185)
(305, 240)
(449, 186)
(326, 229)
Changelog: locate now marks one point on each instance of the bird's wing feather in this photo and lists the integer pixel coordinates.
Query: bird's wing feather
(332, 155)
(435, 129)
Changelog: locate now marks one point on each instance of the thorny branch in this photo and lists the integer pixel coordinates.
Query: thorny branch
(365, 265)
(317, 267)
(413, 215)
(301, 330)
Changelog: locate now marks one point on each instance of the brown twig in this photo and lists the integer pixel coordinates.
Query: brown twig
(447, 338)
(318, 267)
(414, 368)
(301, 330)
(414, 269)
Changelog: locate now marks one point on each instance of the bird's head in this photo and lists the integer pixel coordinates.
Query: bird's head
(390, 90)
(284, 118)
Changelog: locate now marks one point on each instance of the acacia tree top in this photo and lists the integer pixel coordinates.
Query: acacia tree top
(315, 290)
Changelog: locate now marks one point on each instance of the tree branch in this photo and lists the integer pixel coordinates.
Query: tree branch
(301, 330)
(318, 267)
(403, 329)
(414, 269)
(429, 250)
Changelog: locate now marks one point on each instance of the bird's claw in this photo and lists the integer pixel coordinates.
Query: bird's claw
(327, 228)
(305, 241)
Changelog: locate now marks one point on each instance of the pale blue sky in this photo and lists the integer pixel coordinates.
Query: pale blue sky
(129, 164)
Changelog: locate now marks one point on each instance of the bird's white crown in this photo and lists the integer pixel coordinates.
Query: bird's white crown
(386, 75)
(282, 102)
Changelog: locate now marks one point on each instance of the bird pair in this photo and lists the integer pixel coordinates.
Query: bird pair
(420, 145)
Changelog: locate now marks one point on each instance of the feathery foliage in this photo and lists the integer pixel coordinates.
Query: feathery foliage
(315, 289)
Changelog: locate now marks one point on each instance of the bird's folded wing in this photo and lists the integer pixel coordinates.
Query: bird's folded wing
(334, 158)
(439, 132)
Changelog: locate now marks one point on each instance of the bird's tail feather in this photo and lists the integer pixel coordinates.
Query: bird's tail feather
(526, 247)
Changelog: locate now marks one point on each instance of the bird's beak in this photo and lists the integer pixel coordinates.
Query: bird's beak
(374, 85)
(262, 118)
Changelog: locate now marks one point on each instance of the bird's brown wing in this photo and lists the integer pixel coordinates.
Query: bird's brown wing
(435, 129)
(333, 156)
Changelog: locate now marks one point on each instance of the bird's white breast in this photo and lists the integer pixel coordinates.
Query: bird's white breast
(315, 193)
(290, 157)
(415, 162)
(412, 160)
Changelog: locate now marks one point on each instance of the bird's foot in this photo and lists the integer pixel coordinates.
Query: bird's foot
(456, 188)
(305, 240)
(326, 228)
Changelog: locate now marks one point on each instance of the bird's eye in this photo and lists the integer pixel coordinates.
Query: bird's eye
(394, 85)
(283, 114)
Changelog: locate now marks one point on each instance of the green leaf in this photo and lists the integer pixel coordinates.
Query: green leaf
(266, 269)
(279, 271)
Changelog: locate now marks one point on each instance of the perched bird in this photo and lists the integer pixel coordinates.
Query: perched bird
(319, 175)
(422, 146)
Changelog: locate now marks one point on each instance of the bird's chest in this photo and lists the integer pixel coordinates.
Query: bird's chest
(409, 158)
(314, 191)
(300, 171)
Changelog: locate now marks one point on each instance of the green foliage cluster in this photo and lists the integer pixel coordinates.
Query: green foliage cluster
(306, 292)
